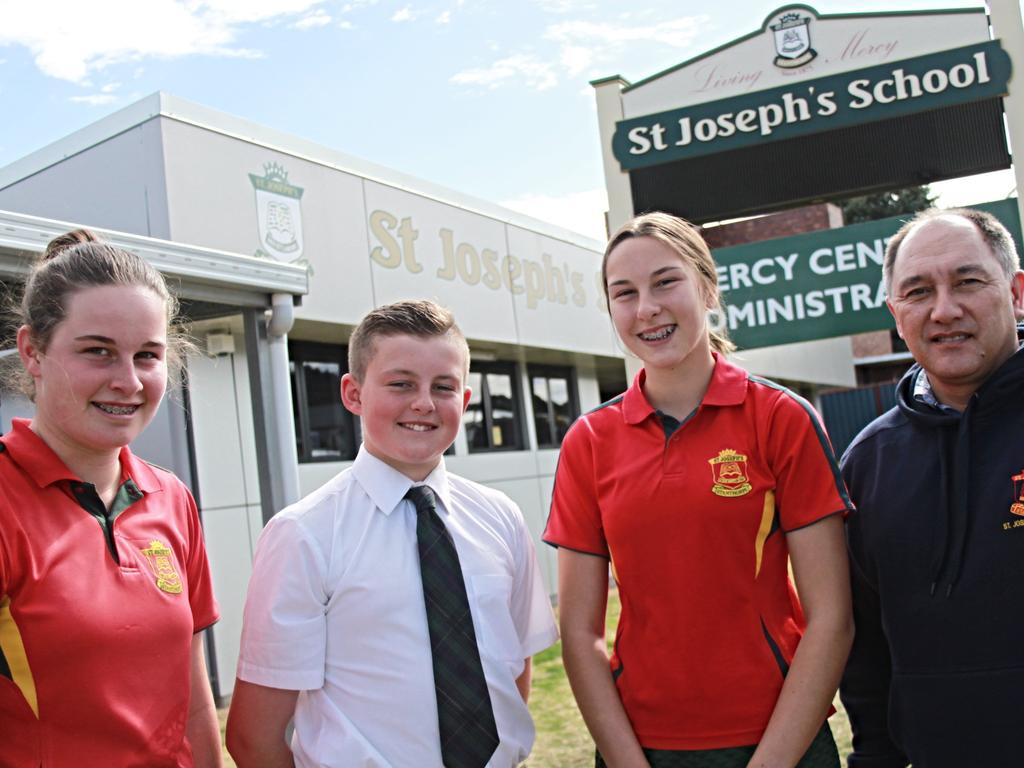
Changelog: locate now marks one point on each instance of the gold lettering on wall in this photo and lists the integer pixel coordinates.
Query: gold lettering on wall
(540, 281)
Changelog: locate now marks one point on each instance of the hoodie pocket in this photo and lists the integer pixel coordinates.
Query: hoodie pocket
(958, 719)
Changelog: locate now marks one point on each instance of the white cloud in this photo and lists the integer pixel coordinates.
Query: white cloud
(345, 25)
(580, 46)
(676, 33)
(71, 39)
(536, 74)
(105, 95)
(443, 18)
(318, 18)
(95, 99)
(562, 6)
(403, 14)
(576, 58)
(581, 212)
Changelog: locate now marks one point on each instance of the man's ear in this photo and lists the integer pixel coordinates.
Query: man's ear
(29, 351)
(466, 394)
(351, 394)
(888, 303)
(1017, 290)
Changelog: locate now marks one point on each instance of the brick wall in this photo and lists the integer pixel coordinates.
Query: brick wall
(809, 218)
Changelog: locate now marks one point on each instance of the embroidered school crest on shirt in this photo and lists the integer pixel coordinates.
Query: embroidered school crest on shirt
(1017, 507)
(729, 471)
(159, 557)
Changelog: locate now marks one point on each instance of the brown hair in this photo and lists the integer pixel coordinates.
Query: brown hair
(685, 239)
(420, 318)
(77, 260)
(992, 231)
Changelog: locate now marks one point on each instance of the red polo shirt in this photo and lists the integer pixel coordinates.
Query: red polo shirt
(694, 527)
(95, 649)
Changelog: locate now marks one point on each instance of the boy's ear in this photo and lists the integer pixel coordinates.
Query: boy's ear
(351, 394)
(28, 351)
(466, 394)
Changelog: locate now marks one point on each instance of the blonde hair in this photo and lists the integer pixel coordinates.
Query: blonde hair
(420, 318)
(686, 241)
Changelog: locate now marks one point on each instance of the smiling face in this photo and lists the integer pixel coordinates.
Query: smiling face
(658, 304)
(954, 306)
(103, 373)
(411, 400)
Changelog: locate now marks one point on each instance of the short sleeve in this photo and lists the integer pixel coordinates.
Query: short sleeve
(808, 484)
(284, 625)
(530, 604)
(200, 585)
(575, 519)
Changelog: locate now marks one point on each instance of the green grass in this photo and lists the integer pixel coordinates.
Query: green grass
(562, 738)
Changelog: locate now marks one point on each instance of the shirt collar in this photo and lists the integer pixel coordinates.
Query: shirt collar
(39, 462)
(386, 486)
(924, 393)
(728, 386)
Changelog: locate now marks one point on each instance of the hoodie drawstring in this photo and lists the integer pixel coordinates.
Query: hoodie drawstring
(954, 520)
(940, 546)
(959, 496)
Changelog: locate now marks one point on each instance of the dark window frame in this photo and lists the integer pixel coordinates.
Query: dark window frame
(512, 370)
(566, 372)
(300, 352)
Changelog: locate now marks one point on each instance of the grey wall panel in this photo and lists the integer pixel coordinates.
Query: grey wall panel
(116, 184)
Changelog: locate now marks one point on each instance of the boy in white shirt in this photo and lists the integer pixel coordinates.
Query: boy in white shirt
(376, 658)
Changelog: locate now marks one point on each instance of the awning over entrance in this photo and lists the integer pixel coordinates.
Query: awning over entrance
(198, 275)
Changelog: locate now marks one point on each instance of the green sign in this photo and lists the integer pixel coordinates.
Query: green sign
(944, 79)
(816, 285)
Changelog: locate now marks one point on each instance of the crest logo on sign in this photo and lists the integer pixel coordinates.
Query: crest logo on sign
(793, 41)
(278, 214)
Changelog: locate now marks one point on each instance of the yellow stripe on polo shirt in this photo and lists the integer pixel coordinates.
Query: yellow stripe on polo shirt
(767, 516)
(13, 650)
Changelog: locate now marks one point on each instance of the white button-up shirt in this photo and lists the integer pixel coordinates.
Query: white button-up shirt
(335, 610)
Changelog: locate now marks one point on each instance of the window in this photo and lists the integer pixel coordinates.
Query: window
(324, 430)
(493, 417)
(555, 405)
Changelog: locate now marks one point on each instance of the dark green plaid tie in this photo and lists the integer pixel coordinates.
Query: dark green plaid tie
(469, 735)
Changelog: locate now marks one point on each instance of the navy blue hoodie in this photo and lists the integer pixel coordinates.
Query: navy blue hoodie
(936, 675)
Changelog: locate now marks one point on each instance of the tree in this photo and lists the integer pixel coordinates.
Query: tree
(882, 205)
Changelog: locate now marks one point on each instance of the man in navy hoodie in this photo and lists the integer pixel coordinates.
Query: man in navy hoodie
(936, 674)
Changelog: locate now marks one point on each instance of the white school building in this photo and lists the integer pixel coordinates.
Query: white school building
(278, 247)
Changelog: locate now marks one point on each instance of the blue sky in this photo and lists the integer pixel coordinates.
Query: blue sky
(488, 98)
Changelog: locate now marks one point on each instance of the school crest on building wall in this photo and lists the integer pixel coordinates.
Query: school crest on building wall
(792, 34)
(278, 214)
